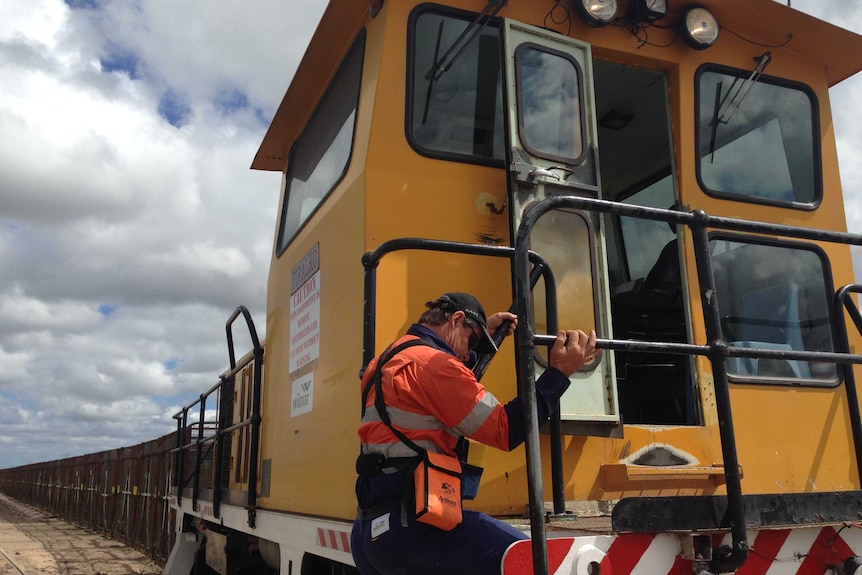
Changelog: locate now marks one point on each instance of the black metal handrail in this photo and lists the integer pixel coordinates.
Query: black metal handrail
(529, 266)
(371, 260)
(221, 430)
(842, 302)
(717, 350)
(540, 270)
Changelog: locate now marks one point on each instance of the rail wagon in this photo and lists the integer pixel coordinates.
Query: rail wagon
(663, 171)
(120, 493)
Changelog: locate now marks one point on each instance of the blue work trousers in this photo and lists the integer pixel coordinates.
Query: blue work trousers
(475, 547)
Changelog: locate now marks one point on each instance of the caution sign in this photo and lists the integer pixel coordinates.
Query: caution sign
(305, 311)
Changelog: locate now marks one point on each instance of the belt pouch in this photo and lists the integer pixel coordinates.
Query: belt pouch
(437, 484)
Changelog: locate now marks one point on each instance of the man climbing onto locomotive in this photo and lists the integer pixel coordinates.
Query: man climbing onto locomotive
(429, 401)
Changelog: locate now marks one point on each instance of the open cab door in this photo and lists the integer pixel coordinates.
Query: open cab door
(553, 151)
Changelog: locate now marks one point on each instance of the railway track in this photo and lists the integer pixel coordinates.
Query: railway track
(33, 542)
(122, 494)
(8, 566)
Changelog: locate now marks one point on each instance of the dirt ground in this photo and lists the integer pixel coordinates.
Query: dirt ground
(32, 542)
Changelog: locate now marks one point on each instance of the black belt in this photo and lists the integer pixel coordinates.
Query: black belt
(394, 464)
(372, 463)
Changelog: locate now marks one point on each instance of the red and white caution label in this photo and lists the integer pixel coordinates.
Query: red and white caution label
(804, 551)
(333, 539)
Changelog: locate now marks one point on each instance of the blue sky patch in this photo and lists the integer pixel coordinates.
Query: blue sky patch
(107, 310)
(120, 60)
(172, 363)
(174, 108)
(229, 101)
(87, 4)
(263, 118)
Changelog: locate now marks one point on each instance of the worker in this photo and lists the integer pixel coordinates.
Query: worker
(434, 401)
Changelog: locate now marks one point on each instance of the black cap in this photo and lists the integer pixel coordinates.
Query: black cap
(460, 301)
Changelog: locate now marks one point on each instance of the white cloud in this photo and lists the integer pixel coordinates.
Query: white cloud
(38, 21)
(126, 241)
(13, 367)
(23, 313)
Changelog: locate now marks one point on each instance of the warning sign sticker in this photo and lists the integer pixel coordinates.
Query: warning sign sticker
(305, 313)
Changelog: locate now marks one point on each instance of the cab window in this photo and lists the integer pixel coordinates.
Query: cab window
(774, 296)
(549, 103)
(456, 111)
(320, 156)
(756, 139)
(564, 238)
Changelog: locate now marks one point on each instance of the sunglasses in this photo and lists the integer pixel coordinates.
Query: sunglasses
(475, 336)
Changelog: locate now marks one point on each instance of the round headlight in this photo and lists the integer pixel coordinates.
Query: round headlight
(596, 12)
(699, 28)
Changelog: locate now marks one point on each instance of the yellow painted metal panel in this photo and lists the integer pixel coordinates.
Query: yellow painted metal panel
(788, 439)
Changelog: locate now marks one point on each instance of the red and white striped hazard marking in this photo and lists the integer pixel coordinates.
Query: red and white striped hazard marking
(332, 539)
(803, 551)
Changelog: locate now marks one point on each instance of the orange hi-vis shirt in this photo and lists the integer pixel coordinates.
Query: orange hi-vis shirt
(433, 399)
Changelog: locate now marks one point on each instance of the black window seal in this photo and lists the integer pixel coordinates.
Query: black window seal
(817, 151)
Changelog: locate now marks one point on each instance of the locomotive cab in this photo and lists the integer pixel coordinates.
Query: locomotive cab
(672, 186)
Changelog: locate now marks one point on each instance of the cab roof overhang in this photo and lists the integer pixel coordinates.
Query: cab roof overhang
(840, 51)
(331, 41)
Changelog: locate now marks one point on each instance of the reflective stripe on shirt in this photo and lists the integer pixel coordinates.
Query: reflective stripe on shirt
(480, 414)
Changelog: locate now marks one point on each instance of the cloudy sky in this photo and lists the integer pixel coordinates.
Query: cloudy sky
(130, 223)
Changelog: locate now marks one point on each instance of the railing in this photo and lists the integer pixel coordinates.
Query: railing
(204, 433)
(842, 302)
(716, 350)
(540, 269)
(529, 266)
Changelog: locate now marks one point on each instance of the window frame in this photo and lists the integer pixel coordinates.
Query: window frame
(590, 230)
(467, 16)
(357, 50)
(584, 144)
(816, 151)
(829, 287)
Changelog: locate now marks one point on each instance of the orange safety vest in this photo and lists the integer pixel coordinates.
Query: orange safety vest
(433, 399)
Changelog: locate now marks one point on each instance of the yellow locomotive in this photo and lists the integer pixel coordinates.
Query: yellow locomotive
(663, 171)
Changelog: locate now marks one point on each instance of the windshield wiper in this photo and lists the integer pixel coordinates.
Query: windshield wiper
(442, 65)
(725, 115)
(724, 108)
(464, 40)
(432, 79)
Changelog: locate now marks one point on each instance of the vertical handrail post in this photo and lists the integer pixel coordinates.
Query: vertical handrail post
(255, 434)
(558, 479)
(178, 462)
(369, 311)
(842, 301)
(218, 452)
(199, 445)
(255, 420)
(524, 364)
(735, 513)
